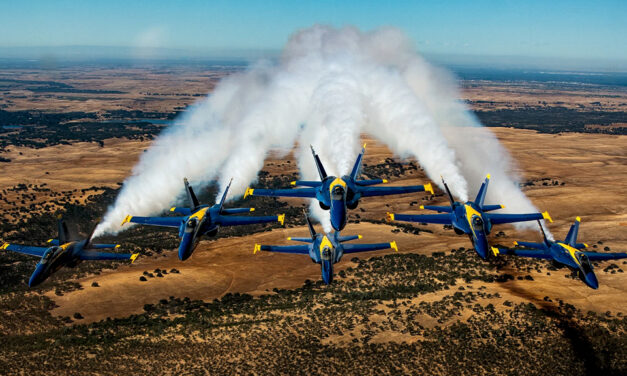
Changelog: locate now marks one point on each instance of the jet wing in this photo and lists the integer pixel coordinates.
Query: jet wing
(95, 255)
(523, 253)
(25, 249)
(511, 218)
(531, 245)
(297, 192)
(598, 256)
(354, 248)
(442, 219)
(156, 221)
(384, 191)
(298, 249)
(231, 220)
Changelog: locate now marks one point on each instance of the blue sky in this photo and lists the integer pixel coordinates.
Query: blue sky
(555, 29)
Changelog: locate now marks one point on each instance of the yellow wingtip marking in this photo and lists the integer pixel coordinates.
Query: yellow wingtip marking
(49, 240)
(252, 209)
(389, 216)
(495, 251)
(127, 219)
(515, 242)
(290, 238)
(257, 248)
(502, 206)
(281, 219)
(578, 219)
(488, 176)
(429, 188)
(293, 183)
(249, 192)
(173, 208)
(359, 236)
(134, 257)
(4, 246)
(422, 206)
(394, 246)
(385, 181)
(116, 246)
(546, 216)
(365, 143)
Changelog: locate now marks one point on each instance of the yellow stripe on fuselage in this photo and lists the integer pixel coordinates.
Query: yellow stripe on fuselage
(572, 251)
(325, 242)
(335, 182)
(469, 213)
(199, 214)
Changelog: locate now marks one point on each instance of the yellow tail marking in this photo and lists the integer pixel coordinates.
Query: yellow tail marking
(293, 183)
(257, 248)
(252, 209)
(429, 188)
(488, 176)
(133, 257)
(173, 208)
(384, 181)
(389, 216)
(495, 251)
(422, 206)
(281, 219)
(359, 236)
(4, 246)
(49, 240)
(578, 219)
(393, 246)
(546, 216)
(127, 219)
(249, 192)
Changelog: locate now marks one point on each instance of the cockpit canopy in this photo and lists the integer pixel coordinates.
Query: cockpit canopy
(49, 254)
(326, 253)
(584, 261)
(338, 192)
(477, 223)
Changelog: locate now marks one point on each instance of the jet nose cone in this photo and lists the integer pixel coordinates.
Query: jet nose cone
(37, 277)
(591, 280)
(338, 215)
(186, 247)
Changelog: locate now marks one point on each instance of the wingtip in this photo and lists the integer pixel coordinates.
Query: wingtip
(578, 219)
(365, 143)
(249, 192)
(134, 257)
(116, 246)
(389, 216)
(49, 240)
(293, 183)
(281, 219)
(546, 216)
(495, 251)
(384, 181)
(127, 219)
(173, 208)
(257, 248)
(488, 176)
(289, 238)
(502, 206)
(422, 207)
(515, 242)
(394, 246)
(429, 188)
(4, 246)
(359, 236)
(252, 209)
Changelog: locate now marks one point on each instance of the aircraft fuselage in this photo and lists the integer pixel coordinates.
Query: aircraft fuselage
(55, 258)
(196, 226)
(575, 260)
(468, 219)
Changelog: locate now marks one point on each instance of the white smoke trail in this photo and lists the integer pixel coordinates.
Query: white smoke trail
(329, 86)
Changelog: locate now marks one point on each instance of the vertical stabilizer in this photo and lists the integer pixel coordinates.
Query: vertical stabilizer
(191, 197)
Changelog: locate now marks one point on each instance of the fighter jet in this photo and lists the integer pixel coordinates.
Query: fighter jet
(325, 250)
(567, 253)
(471, 218)
(65, 252)
(338, 194)
(199, 220)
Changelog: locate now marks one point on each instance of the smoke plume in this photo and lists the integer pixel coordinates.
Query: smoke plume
(328, 87)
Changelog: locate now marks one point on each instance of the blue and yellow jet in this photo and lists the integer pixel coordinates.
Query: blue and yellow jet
(471, 218)
(65, 252)
(338, 194)
(199, 220)
(325, 250)
(567, 253)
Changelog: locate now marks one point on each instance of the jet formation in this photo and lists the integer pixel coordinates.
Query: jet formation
(338, 195)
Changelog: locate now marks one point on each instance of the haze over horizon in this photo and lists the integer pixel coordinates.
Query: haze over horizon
(573, 34)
